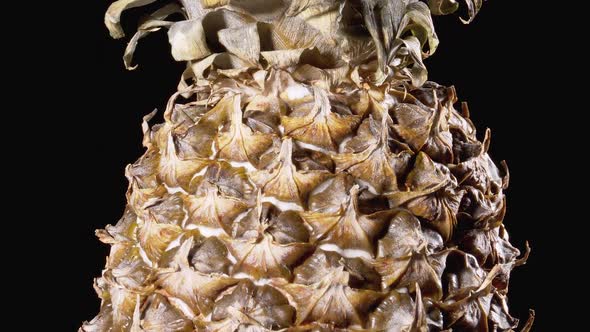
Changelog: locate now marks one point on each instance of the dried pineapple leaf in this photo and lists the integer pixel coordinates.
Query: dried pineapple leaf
(297, 7)
(412, 68)
(112, 18)
(243, 42)
(445, 7)
(283, 58)
(262, 10)
(388, 23)
(418, 21)
(323, 15)
(284, 181)
(214, 3)
(187, 39)
(294, 33)
(199, 67)
(320, 126)
(152, 24)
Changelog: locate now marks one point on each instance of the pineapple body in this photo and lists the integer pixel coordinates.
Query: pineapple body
(289, 189)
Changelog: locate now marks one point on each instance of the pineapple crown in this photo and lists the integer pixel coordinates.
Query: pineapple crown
(390, 38)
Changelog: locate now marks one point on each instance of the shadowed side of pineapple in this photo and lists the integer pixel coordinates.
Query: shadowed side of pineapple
(307, 177)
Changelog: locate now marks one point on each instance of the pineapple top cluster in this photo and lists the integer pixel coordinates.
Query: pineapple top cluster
(390, 37)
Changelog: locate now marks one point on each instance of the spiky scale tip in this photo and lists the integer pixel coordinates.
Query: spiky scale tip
(310, 179)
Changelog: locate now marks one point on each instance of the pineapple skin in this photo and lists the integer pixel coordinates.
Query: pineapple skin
(288, 189)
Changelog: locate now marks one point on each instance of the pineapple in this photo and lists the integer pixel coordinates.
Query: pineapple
(307, 177)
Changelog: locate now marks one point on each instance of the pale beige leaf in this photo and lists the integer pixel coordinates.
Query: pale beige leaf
(112, 18)
(187, 39)
(243, 42)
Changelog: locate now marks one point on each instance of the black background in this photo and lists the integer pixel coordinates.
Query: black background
(472, 57)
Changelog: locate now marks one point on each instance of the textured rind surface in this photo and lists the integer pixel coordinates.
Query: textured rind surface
(300, 197)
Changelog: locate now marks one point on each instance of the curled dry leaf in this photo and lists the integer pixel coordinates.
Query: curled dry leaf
(112, 18)
(153, 23)
(399, 29)
(187, 39)
(445, 7)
